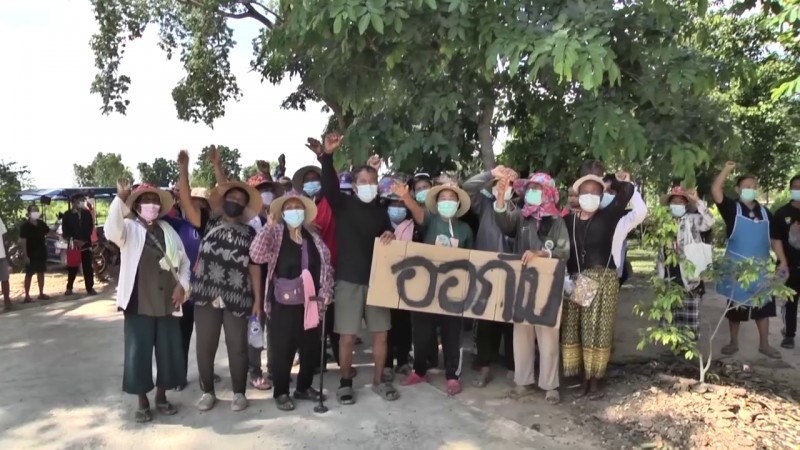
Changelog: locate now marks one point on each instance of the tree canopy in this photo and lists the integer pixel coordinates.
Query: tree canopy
(161, 172)
(203, 174)
(13, 178)
(104, 171)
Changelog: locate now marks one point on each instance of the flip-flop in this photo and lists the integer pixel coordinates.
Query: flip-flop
(770, 352)
(261, 383)
(144, 415)
(521, 392)
(309, 394)
(482, 380)
(167, 409)
(729, 349)
(552, 397)
(345, 395)
(386, 391)
(453, 387)
(44, 297)
(285, 403)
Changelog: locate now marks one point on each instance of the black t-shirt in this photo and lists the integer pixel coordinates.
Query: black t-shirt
(290, 259)
(34, 235)
(784, 218)
(727, 209)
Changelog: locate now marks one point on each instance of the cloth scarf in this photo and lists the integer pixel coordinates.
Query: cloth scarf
(405, 230)
(170, 246)
(550, 198)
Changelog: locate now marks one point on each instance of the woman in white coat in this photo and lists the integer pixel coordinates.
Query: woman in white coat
(153, 279)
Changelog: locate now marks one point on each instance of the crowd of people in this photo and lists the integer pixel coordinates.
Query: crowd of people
(279, 254)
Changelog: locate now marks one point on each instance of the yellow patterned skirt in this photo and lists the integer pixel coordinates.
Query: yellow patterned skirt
(587, 333)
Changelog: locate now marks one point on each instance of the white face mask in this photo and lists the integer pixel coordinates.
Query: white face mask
(35, 215)
(266, 198)
(508, 194)
(367, 192)
(589, 202)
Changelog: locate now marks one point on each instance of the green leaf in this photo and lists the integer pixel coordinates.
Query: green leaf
(337, 24)
(431, 4)
(377, 23)
(363, 23)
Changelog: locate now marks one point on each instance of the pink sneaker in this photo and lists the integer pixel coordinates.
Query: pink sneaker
(453, 387)
(413, 379)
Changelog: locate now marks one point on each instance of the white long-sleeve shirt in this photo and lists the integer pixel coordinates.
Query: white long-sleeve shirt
(130, 237)
(625, 225)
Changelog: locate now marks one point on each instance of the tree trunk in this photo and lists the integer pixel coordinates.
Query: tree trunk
(485, 138)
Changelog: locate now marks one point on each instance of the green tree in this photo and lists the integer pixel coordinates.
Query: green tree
(253, 169)
(13, 179)
(104, 171)
(161, 172)
(203, 174)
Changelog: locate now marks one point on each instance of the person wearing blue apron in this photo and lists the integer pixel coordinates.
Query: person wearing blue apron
(751, 233)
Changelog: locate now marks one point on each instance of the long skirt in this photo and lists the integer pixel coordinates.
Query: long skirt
(587, 333)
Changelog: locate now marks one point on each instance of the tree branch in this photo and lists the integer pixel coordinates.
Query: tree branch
(264, 7)
(250, 13)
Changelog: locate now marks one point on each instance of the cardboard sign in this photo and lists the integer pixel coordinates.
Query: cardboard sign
(468, 283)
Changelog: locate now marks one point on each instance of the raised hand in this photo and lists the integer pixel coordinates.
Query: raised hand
(499, 172)
(183, 159)
(123, 189)
(213, 155)
(315, 146)
(730, 165)
(692, 194)
(400, 189)
(332, 143)
(263, 166)
(375, 162)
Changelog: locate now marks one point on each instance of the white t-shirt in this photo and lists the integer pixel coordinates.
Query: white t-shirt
(3, 231)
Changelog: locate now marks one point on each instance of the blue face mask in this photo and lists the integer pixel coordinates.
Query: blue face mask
(294, 217)
(677, 210)
(748, 195)
(447, 208)
(397, 214)
(312, 187)
(421, 196)
(533, 197)
(607, 199)
(795, 194)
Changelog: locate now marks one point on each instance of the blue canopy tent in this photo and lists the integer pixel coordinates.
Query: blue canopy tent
(29, 195)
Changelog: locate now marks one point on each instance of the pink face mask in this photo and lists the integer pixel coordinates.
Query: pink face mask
(149, 212)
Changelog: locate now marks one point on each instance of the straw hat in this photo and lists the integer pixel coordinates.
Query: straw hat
(577, 185)
(676, 191)
(253, 207)
(276, 208)
(260, 180)
(145, 188)
(297, 178)
(199, 192)
(463, 198)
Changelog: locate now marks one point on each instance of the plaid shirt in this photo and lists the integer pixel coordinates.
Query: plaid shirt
(266, 247)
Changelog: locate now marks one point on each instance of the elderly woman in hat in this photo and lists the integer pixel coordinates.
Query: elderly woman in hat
(299, 268)
(226, 288)
(587, 325)
(539, 231)
(444, 205)
(693, 218)
(153, 279)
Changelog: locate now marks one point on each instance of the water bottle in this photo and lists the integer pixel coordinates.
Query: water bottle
(255, 336)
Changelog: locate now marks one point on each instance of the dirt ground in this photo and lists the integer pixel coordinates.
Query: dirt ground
(55, 284)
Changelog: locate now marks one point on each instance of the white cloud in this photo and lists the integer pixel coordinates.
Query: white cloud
(49, 121)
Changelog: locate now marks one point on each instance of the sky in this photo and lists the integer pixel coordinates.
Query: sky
(49, 120)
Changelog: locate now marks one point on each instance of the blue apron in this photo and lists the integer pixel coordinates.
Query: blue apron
(749, 239)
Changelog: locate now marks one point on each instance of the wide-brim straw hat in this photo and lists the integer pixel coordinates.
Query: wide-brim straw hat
(676, 191)
(199, 192)
(297, 178)
(167, 201)
(254, 204)
(464, 201)
(260, 180)
(276, 208)
(586, 178)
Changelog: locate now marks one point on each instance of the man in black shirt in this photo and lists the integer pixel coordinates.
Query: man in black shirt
(32, 234)
(359, 220)
(787, 222)
(751, 232)
(77, 226)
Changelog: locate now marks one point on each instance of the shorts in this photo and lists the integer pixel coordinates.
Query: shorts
(36, 266)
(350, 305)
(745, 313)
(3, 269)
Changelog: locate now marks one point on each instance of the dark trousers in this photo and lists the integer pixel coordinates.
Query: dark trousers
(288, 336)
(187, 328)
(789, 313)
(399, 338)
(209, 322)
(333, 337)
(254, 356)
(88, 271)
(424, 332)
(488, 337)
(143, 335)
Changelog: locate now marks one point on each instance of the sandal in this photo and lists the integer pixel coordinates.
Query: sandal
(482, 379)
(413, 378)
(261, 383)
(345, 395)
(729, 349)
(284, 403)
(27, 300)
(552, 397)
(597, 395)
(144, 415)
(386, 391)
(309, 394)
(44, 297)
(166, 408)
(521, 391)
(453, 387)
(770, 352)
